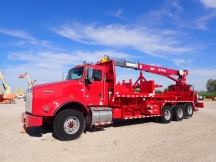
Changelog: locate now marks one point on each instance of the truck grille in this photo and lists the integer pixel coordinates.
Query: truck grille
(28, 104)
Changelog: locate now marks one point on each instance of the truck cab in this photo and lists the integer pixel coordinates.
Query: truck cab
(85, 86)
(91, 82)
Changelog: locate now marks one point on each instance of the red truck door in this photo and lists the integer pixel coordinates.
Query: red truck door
(93, 93)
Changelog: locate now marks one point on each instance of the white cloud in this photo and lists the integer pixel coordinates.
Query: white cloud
(20, 43)
(16, 33)
(118, 14)
(201, 23)
(27, 39)
(209, 3)
(199, 77)
(177, 6)
(53, 60)
(184, 63)
(204, 73)
(172, 13)
(151, 41)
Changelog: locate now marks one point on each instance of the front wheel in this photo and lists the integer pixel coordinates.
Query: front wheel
(166, 115)
(68, 125)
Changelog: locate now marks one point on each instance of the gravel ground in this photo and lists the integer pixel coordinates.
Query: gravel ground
(139, 140)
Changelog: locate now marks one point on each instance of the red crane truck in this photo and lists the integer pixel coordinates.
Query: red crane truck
(91, 97)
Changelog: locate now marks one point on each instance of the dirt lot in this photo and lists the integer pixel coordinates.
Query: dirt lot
(141, 140)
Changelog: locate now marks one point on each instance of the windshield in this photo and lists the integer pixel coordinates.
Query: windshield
(75, 73)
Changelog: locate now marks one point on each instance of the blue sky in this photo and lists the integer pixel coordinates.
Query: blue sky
(46, 38)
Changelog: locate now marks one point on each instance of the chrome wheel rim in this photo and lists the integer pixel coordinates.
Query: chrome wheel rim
(190, 110)
(167, 114)
(71, 125)
(180, 113)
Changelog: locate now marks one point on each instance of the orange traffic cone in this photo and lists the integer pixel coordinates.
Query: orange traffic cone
(24, 130)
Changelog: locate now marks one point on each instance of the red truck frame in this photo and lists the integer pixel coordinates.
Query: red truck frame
(91, 97)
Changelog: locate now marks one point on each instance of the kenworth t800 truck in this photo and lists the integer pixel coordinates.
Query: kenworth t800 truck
(90, 96)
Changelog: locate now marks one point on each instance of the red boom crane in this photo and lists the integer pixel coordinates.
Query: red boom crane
(152, 69)
(91, 97)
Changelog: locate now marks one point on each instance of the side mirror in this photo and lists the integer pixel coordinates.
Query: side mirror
(63, 75)
(90, 72)
(89, 79)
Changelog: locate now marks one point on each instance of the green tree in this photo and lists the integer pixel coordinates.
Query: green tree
(211, 85)
(166, 89)
(158, 91)
(202, 91)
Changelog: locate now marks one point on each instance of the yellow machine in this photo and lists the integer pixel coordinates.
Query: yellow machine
(22, 91)
(7, 97)
(1, 89)
(29, 81)
(19, 93)
(209, 98)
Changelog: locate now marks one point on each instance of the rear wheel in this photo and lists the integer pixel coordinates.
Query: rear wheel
(12, 101)
(166, 115)
(68, 125)
(178, 113)
(188, 109)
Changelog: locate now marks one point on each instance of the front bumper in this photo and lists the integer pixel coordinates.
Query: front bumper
(31, 121)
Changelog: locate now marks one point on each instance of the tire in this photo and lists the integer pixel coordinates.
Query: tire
(178, 113)
(156, 119)
(188, 110)
(12, 102)
(166, 115)
(68, 125)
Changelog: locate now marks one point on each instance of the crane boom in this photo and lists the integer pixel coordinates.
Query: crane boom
(152, 69)
(28, 78)
(165, 72)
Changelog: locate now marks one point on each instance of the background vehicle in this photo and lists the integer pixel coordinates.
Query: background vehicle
(208, 98)
(19, 93)
(91, 97)
(20, 96)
